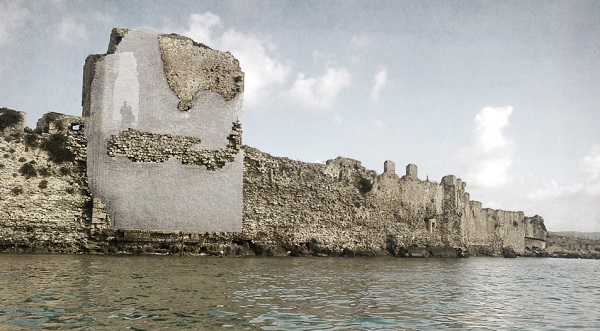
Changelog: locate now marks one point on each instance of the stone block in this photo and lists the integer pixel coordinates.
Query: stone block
(389, 167)
(411, 171)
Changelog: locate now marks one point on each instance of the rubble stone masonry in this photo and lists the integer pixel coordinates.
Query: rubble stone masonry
(290, 208)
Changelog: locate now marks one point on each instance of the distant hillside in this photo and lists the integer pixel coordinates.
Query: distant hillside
(575, 234)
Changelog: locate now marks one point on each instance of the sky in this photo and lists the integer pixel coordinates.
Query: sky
(503, 94)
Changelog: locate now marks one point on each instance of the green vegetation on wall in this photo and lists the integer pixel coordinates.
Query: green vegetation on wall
(56, 119)
(56, 148)
(8, 118)
(365, 185)
(43, 184)
(28, 170)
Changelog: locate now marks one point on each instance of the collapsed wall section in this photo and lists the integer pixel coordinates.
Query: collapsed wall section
(164, 138)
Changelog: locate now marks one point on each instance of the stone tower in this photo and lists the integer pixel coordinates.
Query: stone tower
(389, 167)
(411, 171)
(164, 138)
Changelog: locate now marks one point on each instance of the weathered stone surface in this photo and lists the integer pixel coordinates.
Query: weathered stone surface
(149, 147)
(152, 165)
(290, 208)
(191, 67)
(305, 208)
(116, 35)
(43, 199)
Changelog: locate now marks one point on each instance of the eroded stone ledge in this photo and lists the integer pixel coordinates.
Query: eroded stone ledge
(140, 146)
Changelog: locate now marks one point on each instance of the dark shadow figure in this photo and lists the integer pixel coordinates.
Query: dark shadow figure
(127, 117)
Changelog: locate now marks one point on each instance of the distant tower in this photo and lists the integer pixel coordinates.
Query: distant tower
(389, 167)
(411, 171)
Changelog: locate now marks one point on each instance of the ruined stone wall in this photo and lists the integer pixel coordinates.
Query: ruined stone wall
(290, 208)
(164, 152)
(412, 208)
(487, 229)
(43, 190)
(303, 208)
(291, 205)
(405, 215)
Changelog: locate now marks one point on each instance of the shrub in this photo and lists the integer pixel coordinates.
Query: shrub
(17, 190)
(56, 148)
(2, 166)
(31, 139)
(54, 117)
(6, 156)
(8, 118)
(45, 171)
(43, 184)
(28, 170)
(64, 171)
(17, 135)
(364, 185)
(22, 159)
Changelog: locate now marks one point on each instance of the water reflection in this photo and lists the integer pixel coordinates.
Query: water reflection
(149, 292)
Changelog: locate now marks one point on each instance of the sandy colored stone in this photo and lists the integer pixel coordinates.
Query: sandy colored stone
(191, 67)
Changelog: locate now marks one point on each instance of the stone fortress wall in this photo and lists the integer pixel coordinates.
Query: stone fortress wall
(290, 208)
(156, 165)
(341, 206)
(43, 186)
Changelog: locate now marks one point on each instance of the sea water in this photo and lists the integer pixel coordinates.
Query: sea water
(91, 292)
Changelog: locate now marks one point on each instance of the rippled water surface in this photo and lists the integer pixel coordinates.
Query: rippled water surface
(59, 292)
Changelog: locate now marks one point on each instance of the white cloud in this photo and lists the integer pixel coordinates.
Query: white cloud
(353, 60)
(263, 73)
(71, 32)
(590, 164)
(319, 93)
(200, 27)
(324, 58)
(572, 206)
(360, 41)
(379, 124)
(551, 190)
(380, 81)
(489, 158)
(266, 75)
(337, 119)
(13, 15)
